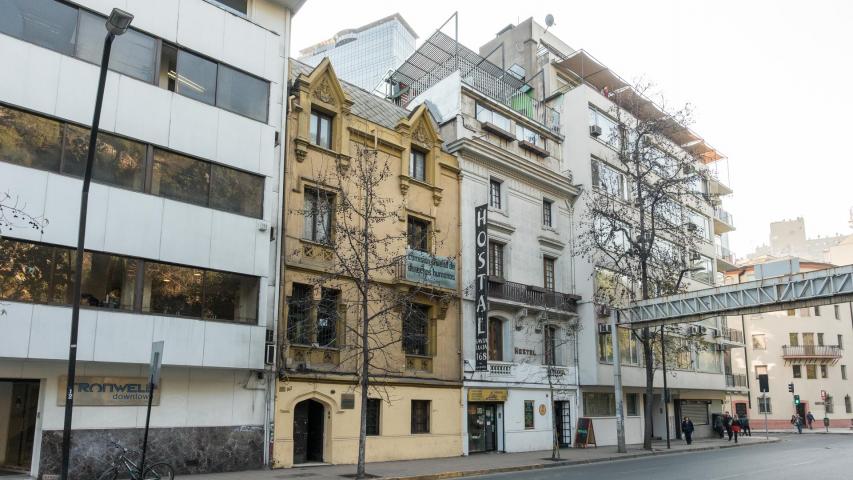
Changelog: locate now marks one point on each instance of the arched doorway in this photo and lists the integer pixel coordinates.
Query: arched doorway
(308, 426)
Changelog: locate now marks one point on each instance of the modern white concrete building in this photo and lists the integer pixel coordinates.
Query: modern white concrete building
(805, 347)
(576, 84)
(181, 236)
(509, 145)
(365, 55)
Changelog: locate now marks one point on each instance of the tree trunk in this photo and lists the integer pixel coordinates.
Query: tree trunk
(650, 389)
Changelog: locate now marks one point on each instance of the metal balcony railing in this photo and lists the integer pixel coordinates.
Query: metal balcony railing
(735, 381)
(725, 254)
(533, 296)
(723, 216)
(828, 352)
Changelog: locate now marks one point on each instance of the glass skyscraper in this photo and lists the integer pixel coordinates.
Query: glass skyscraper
(363, 56)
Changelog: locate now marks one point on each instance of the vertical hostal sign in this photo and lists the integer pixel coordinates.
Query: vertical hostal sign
(481, 299)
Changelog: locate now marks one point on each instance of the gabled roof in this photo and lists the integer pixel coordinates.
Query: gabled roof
(365, 105)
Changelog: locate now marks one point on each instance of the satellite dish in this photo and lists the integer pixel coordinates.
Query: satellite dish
(549, 20)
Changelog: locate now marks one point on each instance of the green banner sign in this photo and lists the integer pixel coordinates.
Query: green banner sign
(421, 267)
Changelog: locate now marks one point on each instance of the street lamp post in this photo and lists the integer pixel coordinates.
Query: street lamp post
(116, 24)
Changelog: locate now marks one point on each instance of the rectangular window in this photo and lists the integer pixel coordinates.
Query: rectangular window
(374, 409)
(495, 194)
(496, 259)
(321, 129)
(632, 404)
(524, 134)
(242, 94)
(180, 178)
(420, 416)
(840, 341)
(797, 371)
(605, 348)
(811, 372)
(133, 53)
(416, 329)
(496, 339)
(608, 180)
(230, 296)
(837, 312)
(596, 404)
(848, 408)
(118, 161)
(109, 281)
(418, 234)
(28, 273)
(702, 225)
(547, 218)
(706, 272)
(486, 115)
(548, 269)
(551, 337)
(46, 23)
(318, 209)
(824, 371)
(793, 339)
(196, 77)
(791, 312)
(764, 405)
(829, 407)
(816, 311)
(760, 370)
(327, 317)
(759, 342)
(299, 314)
(29, 140)
(173, 290)
(609, 129)
(417, 165)
(805, 312)
(820, 339)
(529, 415)
(239, 6)
(236, 191)
(844, 372)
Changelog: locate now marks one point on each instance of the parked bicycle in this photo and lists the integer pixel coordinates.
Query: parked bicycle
(155, 471)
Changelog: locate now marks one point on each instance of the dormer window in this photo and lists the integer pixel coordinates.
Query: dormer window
(417, 165)
(321, 129)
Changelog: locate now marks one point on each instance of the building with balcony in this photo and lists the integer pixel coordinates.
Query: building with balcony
(337, 133)
(807, 347)
(581, 89)
(178, 243)
(364, 56)
(506, 138)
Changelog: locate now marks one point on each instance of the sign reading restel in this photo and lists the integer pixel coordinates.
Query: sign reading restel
(481, 279)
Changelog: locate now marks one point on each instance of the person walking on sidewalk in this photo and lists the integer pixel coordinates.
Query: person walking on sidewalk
(736, 426)
(718, 426)
(810, 420)
(687, 428)
(727, 424)
(797, 422)
(744, 424)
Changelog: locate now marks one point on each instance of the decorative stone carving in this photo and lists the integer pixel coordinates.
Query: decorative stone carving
(421, 135)
(323, 92)
(343, 163)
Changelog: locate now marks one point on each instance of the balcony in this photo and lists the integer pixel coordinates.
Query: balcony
(722, 221)
(725, 259)
(500, 369)
(811, 354)
(531, 296)
(736, 381)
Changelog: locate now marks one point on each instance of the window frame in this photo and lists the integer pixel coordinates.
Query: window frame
(320, 199)
(417, 155)
(496, 194)
(418, 234)
(421, 426)
(549, 273)
(418, 343)
(599, 184)
(762, 341)
(497, 258)
(374, 419)
(764, 405)
(529, 414)
(797, 371)
(320, 115)
(547, 213)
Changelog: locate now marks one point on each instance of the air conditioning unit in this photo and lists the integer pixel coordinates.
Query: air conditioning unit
(270, 336)
(604, 328)
(701, 330)
(720, 348)
(269, 354)
(595, 130)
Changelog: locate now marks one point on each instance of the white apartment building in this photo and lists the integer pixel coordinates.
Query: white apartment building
(181, 237)
(509, 148)
(702, 383)
(806, 347)
(365, 55)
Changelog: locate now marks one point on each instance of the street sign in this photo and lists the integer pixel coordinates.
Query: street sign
(156, 361)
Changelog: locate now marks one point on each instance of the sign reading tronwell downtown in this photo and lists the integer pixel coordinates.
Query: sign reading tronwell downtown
(481, 279)
(109, 391)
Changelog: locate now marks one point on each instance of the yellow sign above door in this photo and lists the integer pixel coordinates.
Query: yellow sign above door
(487, 395)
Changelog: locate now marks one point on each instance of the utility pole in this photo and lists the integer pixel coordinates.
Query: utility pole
(617, 383)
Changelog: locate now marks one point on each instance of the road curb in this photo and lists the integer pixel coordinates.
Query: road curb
(567, 462)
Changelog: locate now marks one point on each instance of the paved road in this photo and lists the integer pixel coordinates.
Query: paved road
(818, 457)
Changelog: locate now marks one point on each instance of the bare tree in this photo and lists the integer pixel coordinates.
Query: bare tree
(13, 215)
(361, 234)
(637, 227)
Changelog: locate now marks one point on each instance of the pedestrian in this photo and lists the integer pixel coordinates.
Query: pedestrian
(744, 424)
(718, 425)
(727, 424)
(810, 420)
(687, 428)
(736, 426)
(797, 422)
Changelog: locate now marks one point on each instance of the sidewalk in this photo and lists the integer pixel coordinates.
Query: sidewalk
(480, 464)
(816, 430)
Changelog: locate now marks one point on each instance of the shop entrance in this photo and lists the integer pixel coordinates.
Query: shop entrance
(563, 412)
(308, 426)
(18, 411)
(482, 427)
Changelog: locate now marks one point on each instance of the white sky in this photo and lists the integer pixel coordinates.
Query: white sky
(769, 81)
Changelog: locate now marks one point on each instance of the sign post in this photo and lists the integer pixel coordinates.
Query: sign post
(481, 299)
(764, 386)
(153, 382)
